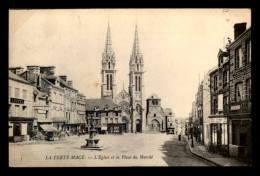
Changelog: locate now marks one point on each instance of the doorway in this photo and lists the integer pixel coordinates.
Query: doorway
(138, 125)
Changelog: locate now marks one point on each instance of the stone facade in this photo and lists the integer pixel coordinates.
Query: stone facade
(239, 106)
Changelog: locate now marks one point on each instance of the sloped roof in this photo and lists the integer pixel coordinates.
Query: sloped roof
(67, 85)
(101, 103)
(17, 78)
(154, 96)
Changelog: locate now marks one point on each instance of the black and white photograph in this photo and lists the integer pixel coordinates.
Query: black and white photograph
(129, 87)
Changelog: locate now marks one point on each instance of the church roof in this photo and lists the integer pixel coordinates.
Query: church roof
(154, 96)
(136, 48)
(108, 47)
(100, 103)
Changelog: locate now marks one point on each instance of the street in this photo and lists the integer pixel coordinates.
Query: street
(122, 150)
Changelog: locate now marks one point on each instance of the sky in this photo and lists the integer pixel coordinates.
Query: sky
(179, 46)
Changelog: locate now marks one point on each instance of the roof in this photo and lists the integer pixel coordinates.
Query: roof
(230, 45)
(100, 103)
(18, 78)
(52, 84)
(154, 96)
(67, 85)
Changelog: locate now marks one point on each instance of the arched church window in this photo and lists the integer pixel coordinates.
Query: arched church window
(135, 83)
(107, 82)
(109, 65)
(137, 66)
(139, 83)
(111, 82)
(154, 115)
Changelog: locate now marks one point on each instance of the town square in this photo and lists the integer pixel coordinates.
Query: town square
(129, 87)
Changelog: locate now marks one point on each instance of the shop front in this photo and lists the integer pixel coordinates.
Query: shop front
(20, 128)
(219, 135)
(116, 128)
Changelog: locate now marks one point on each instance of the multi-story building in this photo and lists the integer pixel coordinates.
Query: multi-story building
(70, 103)
(170, 120)
(20, 108)
(199, 121)
(81, 112)
(219, 90)
(238, 109)
(106, 116)
(44, 80)
(206, 108)
(155, 115)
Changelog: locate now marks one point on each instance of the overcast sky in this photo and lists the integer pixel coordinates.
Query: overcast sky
(178, 45)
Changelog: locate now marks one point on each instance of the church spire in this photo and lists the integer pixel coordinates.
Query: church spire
(136, 49)
(108, 47)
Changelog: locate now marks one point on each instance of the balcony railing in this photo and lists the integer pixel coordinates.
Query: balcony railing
(235, 108)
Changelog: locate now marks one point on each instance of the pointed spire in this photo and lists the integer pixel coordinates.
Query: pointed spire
(108, 47)
(136, 48)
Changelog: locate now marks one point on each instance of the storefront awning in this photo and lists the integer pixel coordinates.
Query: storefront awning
(103, 128)
(48, 127)
(21, 119)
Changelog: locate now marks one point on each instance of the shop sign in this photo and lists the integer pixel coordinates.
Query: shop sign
(236, 107)
(41, 111)
(218, 120)
(16, 100)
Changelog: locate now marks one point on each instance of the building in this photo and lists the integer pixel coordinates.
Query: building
(106, 116)
(155, 115)
(108, 72)
(170, 120)
(206, 109)
(136, 88)
(219, 89)
(46, 83)
(199, 103)
(123, 100)
(81, 113)
(20, 108)
(70, 103)
(238, 109)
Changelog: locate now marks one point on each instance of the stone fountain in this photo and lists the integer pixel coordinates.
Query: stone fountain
(92, 141)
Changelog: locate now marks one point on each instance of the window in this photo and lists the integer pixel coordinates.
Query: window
(24, 94)
(116, 113)
(109, 65)
(96, 114)
(106, 120)
(238, 92)
(106, 113)
(139, 83)
(46, 115)
(248, 50)
(116, 120)
(215, 83)
(154, 115)
(107, 82)
(10, 89)
(170, 124)
(16, 92)
(215, 106)
(111, 82)
(111, 120)
(238, 57)
(225, 78)
(248, 89)
(137, 66)
(135, 83)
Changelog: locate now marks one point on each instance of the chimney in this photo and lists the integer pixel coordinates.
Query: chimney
(64, 78)
(34, 69)
(239, 28)
(70, 83)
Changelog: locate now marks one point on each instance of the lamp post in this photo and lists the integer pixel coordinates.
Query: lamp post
(192, 144)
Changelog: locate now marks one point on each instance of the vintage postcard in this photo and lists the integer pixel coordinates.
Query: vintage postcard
(129, 87)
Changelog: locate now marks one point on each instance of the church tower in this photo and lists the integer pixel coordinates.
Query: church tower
(108, 72)
(136, 88)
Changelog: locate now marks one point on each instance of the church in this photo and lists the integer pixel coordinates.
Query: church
(128, 106)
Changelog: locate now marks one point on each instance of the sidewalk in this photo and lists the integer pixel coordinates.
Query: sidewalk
(200, 151)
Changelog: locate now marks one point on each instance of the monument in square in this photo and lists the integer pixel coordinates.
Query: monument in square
(92, 141)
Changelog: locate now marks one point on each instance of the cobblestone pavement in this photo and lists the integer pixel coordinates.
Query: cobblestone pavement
(122, 150)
